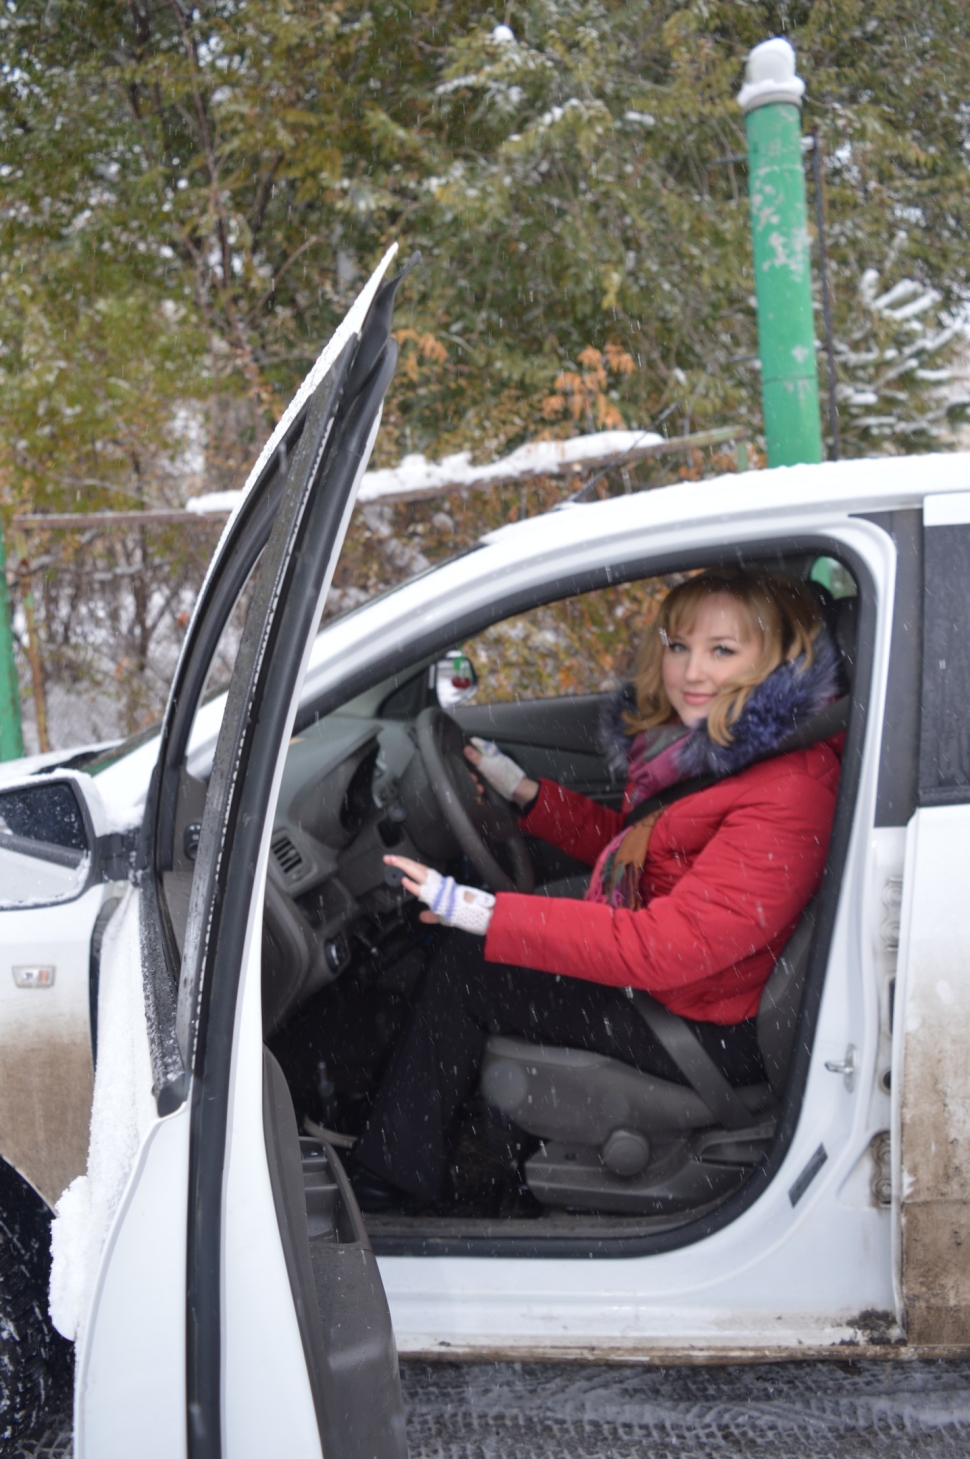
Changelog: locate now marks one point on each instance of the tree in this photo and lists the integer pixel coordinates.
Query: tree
(191, 194)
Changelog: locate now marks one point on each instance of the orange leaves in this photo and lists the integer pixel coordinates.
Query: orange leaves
(427, 348)
(580, 645)
(618, 360)
(585, 394)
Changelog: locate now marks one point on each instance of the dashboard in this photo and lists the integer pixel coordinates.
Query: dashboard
(353, 788)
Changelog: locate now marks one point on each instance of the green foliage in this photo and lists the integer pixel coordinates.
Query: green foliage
(190, 196)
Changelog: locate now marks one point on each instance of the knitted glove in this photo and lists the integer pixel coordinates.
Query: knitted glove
(501, 773)
(457, 906)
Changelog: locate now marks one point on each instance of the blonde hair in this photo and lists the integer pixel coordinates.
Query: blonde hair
(780, 610)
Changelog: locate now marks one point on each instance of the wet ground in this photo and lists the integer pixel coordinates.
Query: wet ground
(833, 1410)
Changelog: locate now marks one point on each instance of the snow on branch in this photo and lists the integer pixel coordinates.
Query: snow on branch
(416, 478)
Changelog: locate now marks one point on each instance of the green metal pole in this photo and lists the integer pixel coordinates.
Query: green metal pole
(771, 102)
(11, 733)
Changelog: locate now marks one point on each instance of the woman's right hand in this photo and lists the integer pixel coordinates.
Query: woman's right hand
(467, 908)
(500, 771)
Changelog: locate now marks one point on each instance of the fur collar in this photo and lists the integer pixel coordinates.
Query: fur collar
(614, 736)
(786, 699)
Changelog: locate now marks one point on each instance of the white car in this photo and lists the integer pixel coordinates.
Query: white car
(204, 917)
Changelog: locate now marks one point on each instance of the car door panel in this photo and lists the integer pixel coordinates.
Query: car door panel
(253, 1330)
(328, 1252)
(565, 722)
(130, 1374)
(246, 773)
(271, 1329)
(555, 739)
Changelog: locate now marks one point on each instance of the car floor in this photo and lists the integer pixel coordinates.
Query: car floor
(900, 1409)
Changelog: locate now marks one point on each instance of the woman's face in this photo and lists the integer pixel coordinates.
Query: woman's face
(718, 645)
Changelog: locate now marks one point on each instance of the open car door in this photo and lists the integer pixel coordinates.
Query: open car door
(236, 1308)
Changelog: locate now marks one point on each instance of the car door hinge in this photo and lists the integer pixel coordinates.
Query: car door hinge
(117, 854)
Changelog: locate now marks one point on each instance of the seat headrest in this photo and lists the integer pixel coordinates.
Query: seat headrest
(846, 630)
(841, 618)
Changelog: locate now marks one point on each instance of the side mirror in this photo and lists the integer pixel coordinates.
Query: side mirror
(45, 845)
(453, 679)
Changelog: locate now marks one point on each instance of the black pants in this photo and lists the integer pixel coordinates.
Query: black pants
(459, 1002)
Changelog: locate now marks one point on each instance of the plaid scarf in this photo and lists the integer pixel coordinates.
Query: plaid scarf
(619, 867)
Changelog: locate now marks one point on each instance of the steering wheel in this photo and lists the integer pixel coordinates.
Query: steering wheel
(477, 822)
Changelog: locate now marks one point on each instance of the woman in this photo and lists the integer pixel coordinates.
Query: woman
(693, 903)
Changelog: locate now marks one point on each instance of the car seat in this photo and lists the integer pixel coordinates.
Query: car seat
(617, 1140)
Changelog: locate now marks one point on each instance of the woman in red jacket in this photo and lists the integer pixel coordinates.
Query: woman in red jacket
(693, 903)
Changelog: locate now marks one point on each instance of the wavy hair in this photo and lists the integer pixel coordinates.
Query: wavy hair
(782, 611)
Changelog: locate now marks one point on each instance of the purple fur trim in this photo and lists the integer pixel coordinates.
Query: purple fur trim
(786, 699)
(789, 696)
(614, 736)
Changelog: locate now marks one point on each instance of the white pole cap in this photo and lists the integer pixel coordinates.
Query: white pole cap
(769, 76)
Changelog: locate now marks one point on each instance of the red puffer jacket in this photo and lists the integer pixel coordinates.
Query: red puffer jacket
(728, 873)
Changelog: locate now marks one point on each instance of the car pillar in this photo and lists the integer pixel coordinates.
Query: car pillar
(771, 101)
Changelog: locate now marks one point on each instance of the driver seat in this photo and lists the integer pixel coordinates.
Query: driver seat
(617, 1140)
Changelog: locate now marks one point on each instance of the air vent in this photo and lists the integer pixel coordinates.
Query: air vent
(286, 853)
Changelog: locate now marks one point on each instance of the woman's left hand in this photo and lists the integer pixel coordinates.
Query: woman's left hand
(502, 773)
(468, 908)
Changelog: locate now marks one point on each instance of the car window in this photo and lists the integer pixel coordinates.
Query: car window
(194, 776)
(580, 645)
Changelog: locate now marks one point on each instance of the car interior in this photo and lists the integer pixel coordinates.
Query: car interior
(554, 1140)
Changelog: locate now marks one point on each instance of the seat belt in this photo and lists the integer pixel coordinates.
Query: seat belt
(694, 1062)
(669, 1029)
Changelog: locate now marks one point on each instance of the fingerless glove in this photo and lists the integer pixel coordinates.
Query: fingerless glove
(499, 770)
(468, 908)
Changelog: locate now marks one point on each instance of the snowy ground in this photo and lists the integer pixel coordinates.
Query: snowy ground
(834, 1410)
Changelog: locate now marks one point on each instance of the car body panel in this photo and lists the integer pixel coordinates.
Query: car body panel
(46, 1078)
(828, 1269)
(779, 1274)
(932, 1074)
(46, 1074)
(568, 542)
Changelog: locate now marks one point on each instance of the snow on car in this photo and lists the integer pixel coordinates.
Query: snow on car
(207, 922)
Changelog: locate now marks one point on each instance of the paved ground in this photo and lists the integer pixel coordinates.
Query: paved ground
(836, 1410)
(810, 1411)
